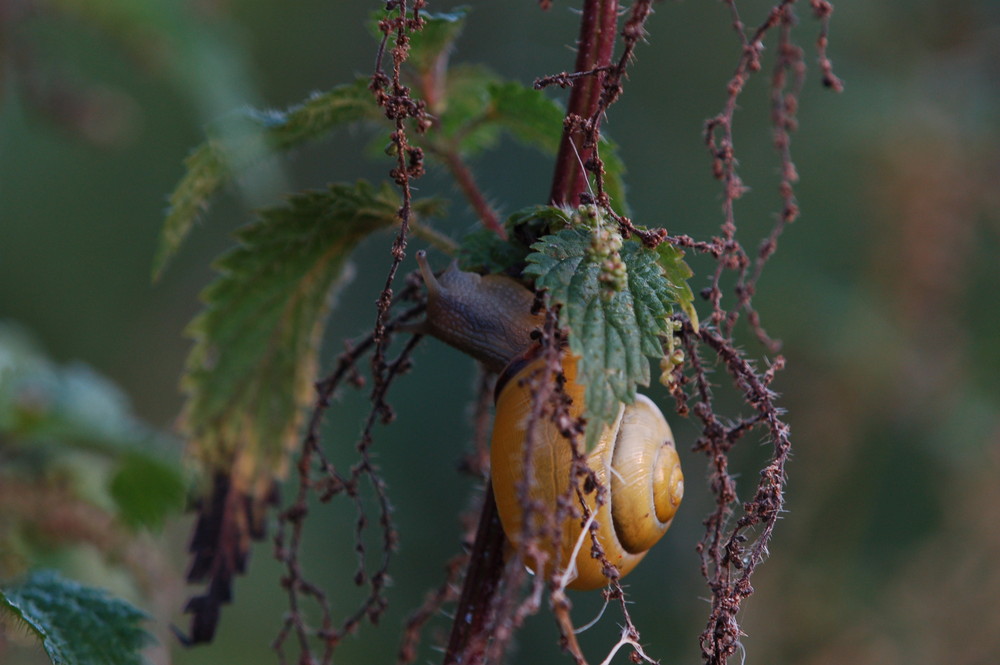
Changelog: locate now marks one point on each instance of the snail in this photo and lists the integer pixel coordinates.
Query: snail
(490, 317)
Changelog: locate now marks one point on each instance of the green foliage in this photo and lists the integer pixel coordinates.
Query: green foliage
(611, 331)
(479, 109)
(253, 363)
(478, 106)
(48, 412)
(464, 114)
(312, 119)
(527, 114)
(76, 625)
(678, 273)
(474, 109)
(245, 138)
(484, 251)
(540, 220)
(490, 106)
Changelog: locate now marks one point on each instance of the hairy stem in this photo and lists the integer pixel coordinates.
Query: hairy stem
(467, 183)
(594, 50)
(469, 632)
(473, 624)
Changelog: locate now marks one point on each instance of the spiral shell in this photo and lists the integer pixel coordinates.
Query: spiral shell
(636, 454)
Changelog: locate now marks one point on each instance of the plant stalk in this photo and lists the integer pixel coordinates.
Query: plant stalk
(474, 623)
(595, 48)
(470, 630)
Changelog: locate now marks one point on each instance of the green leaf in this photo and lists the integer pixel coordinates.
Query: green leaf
(530, 116)
(610, 332)
(539, 220)
(437, 38)
(464, 111)
(245, 138)
(536, 121)
(677, 273)
(484, 251)
(253, 363)
(71, 405)
(77, 625)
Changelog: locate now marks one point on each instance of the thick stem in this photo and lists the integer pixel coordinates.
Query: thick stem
(594, 50)
(470, 630)
(473, 621)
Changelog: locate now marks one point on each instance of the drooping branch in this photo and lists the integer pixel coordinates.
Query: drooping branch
(399, 106)
(318, 477)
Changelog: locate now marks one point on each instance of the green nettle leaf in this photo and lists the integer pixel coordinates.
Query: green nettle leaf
(537, 121)
(530, 116)
(538, 218)
(484, 251)
(611, 332)
(244, 139)
(463, 112)
(77, 625)
(677, 273)
(435, 40)
(479, 107)
(253, 363)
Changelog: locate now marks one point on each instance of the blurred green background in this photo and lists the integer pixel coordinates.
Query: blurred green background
(885, 293)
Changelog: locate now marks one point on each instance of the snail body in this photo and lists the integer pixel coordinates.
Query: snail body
(490, 318)
(486, 316)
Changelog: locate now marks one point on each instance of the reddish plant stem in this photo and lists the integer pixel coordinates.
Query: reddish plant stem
(469, 632)
(594, 50)
(467, 183)
(475, 617)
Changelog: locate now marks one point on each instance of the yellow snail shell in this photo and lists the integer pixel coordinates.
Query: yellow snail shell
(489, 317)
(636, 453)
